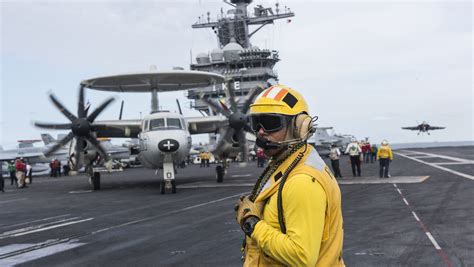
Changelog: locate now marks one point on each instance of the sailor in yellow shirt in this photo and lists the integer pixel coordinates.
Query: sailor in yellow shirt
(293, 216)
(384, 156)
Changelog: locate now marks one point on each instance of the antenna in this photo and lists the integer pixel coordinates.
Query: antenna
(121, 111)
(179, 107)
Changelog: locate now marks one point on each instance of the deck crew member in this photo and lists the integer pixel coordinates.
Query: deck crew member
(384, 156)
(293, 216)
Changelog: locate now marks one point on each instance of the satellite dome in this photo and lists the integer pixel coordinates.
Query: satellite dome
(203, 58)
(231, 51)
(232, 46)
(217, 55)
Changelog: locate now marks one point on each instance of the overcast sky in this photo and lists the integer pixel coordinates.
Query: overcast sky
(365, 68)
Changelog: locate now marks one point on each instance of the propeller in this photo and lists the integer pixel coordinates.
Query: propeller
(80, 126)
(237, 119)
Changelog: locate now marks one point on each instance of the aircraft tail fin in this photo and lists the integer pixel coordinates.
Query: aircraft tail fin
(47, 139)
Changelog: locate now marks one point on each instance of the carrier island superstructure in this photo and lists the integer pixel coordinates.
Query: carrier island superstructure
(245, 65)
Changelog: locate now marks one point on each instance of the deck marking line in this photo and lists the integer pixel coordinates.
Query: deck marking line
(416, 217)
(29, 228)
(440, 156)
(400, 192)
(440, 251)
(395, 185)
(241, 175)
(48, 228)
(39, 253)
(439, 167)
(40, 220)
(435, 244)
(406, 202)
(12, 200)
(168, 213)
(456, 163)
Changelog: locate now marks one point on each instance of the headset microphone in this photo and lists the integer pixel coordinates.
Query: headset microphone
(269, 145)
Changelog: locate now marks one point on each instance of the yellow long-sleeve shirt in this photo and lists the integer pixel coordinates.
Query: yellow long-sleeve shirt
(384, 152)
(312, 214)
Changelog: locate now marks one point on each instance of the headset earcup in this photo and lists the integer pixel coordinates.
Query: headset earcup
(302, 126)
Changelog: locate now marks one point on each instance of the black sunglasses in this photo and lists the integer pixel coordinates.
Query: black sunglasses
(268, 122)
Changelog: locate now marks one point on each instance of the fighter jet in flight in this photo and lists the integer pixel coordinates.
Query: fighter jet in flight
(424, 127)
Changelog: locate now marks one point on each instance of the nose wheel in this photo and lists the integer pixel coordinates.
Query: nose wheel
(168, 185)
(96, 180)
(220, 172)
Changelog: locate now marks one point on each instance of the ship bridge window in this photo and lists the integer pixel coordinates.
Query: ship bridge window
(173, 123)
(157, 124)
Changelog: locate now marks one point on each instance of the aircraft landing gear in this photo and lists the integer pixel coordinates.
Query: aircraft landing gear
(166, 185)
(94, 177)
(96, 180)
(220, 174)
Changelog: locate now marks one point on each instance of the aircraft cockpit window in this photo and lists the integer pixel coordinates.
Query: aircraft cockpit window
(173, 123)
(157, 124)
(147, 125)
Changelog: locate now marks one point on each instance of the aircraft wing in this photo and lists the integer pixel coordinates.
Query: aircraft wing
(209, 124)
(414, 128)
(435, 128)
(117, 128)
(7, 156)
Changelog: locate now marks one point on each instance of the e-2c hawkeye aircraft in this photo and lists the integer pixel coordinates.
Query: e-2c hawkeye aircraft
(424, 127)
(164, 137)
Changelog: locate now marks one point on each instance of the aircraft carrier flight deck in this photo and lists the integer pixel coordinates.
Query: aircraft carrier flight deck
(421, 216)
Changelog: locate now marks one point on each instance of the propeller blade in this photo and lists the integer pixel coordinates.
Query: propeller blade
(81, 110)
(99, 109)
(243, 145)
(226, 137)
(250, 97)
(56, 126)
(61, 108)
(231, 95)
(59, 144)
(98, 146)
(78, 149)
(216, 107)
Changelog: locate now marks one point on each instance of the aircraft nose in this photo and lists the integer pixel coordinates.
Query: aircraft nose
(168, 145)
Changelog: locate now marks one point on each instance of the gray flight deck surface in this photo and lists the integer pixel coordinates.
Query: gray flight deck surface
(59, 222)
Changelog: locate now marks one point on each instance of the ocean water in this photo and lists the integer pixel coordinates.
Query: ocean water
(431, 144)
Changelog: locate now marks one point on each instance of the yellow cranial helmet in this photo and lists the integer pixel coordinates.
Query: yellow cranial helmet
(279, 99)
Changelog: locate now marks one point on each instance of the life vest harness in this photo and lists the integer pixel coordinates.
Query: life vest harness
(271, 168)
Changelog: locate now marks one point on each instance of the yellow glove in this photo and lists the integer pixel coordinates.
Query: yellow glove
(246, 208)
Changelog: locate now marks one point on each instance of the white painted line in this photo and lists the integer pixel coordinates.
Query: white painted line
(38, 253)
(440, 156)
(47, 228)
(34, 227)
(400, 192)
(439, 167)
(395, 185)
(168, 213)
(435, 244)
(80, 191)
(241, 175)
(12, 200)
(215, 185)
(377, 180)
(414, 215)
(406, 202)
(456, 163)
(40, 220)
